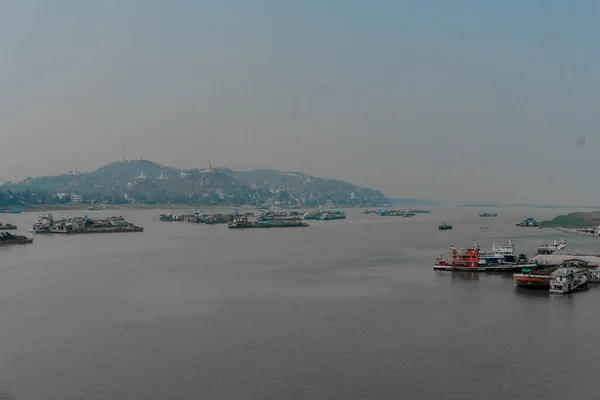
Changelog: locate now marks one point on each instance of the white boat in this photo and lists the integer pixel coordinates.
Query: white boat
(594, 275)
(567, 280)
(552, 248)
(588, 231)
(498, 254)
(44, 224)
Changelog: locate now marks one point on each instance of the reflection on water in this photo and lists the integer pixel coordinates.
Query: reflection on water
(465, 276)
(531, 292)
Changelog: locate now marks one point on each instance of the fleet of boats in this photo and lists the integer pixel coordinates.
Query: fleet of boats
(47, 224)
(567, 274)
(496, 259)
(227, 218)
(553, 268)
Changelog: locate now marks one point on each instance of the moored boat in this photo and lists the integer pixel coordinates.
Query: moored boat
(491, 256)
(465, 259)
(488, 215)
(567, 280)
(533, 276)
(499, 254)
(43, 225)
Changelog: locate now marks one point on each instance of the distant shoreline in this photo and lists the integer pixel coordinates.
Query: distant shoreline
(120, 207)
(85, 207)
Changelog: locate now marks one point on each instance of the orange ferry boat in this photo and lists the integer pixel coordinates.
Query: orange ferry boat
(465, 259)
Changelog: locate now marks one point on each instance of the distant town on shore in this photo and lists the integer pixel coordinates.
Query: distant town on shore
(145, 182)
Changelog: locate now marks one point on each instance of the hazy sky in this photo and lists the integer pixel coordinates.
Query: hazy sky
(481, 100)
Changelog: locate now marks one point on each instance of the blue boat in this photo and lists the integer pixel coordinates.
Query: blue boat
(12, 210)
(528, 222)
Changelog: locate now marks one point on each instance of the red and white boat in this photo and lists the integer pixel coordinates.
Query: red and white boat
(534, 278)
(465, 259)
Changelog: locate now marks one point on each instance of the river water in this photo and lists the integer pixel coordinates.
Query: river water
(339, 310)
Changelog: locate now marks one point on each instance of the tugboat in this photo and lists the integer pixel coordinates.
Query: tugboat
(444, 227)
(527, 222)
(552, 248)
(7, 238)
(7, 227)
(465, 259)
(568, 279)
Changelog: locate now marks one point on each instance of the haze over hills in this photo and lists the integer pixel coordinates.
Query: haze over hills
(143, 181)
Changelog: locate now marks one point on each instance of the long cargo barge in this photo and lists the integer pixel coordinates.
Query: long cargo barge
(88, 225)
(7, 227)
(244, 223)
(115, 229)
(7, 238)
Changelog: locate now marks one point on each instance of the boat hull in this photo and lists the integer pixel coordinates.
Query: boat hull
(437, 267)
(19, 241)
(532, 281)
(579, 288)
(594, 276)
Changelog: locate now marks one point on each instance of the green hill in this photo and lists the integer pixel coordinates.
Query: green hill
(147, 182)
(577, 219)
